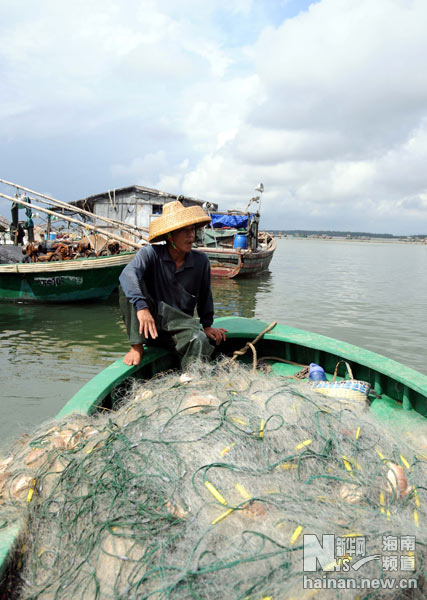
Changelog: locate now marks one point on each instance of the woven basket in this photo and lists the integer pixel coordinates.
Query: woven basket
(348, 389)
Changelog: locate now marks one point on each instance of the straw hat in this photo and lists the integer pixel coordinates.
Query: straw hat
(175, 216)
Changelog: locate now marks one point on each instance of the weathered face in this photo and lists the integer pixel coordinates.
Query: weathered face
(184, 238)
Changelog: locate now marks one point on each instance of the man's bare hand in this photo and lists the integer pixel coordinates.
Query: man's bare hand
(147, 325)
(216, 334)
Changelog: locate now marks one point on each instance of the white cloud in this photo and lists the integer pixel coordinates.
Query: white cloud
(141, 168)
(327, 107)
(341, 122)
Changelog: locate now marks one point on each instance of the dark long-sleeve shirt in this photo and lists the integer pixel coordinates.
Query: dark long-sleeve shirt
(155, 267)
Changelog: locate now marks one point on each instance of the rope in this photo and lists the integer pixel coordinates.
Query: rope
(254, 360)
(251, 345)
(302, 374)
(279, 359)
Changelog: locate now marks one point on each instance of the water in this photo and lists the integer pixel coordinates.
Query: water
(366, 293)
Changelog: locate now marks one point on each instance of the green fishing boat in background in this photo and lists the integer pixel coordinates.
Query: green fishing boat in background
(64, 281)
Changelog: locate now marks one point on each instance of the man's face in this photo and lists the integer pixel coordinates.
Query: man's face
(184, 238)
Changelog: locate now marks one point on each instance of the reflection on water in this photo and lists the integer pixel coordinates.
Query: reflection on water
(47, 353)
(238, 297)
(56, 331)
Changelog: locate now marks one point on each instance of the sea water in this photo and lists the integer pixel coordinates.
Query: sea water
(371, 294)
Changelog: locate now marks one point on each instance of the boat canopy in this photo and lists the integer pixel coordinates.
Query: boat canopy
(235, 221)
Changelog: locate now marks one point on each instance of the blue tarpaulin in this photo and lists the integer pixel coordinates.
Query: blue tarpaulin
(236, 221)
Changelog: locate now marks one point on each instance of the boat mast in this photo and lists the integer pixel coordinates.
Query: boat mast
(254, 227)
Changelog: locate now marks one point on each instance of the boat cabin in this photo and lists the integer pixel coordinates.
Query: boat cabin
(225, 226)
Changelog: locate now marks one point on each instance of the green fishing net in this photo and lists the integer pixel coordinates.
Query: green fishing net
(213, 488)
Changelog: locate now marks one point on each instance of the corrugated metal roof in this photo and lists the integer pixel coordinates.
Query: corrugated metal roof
(135, 188)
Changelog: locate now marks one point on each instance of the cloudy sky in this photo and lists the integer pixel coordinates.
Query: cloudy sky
(325, 102)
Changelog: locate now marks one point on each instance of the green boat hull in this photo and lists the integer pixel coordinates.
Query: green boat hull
(68, 281)
(403, 389)
(399, 399)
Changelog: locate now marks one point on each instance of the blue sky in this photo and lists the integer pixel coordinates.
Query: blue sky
(325, 102)
(244, 27)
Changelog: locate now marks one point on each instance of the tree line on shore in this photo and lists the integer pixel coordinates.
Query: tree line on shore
(351, 234)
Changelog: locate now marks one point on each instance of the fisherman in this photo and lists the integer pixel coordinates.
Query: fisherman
(18, 235)
(163, 284)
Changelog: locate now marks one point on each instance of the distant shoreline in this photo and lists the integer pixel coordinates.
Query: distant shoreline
(336, 238)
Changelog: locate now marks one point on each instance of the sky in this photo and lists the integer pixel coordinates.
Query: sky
(324, 102)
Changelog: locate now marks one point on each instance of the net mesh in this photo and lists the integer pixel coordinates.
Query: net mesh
(206, 488)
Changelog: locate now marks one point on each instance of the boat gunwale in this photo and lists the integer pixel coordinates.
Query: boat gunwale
(95, 262)
(397, 371)
(88, 397)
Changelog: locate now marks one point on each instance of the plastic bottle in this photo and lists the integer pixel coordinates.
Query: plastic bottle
(316, 373)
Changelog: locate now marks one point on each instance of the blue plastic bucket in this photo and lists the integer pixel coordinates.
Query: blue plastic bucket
(240, 241)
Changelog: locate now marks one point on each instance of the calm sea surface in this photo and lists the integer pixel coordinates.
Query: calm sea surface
(370, 294)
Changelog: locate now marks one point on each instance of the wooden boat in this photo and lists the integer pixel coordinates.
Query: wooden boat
(64, 281)
(398, 398)
(239, 262)
(227, 257)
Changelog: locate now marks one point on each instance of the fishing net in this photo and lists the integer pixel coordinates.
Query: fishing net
(213, 487)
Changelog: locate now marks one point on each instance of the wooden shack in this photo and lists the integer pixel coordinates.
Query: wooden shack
(134, 205)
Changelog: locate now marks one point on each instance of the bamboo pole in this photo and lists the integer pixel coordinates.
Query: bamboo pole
(71, 220)
(76, 209)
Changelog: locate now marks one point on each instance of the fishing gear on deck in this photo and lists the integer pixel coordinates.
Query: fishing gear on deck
(205, 486)
(67, 250)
